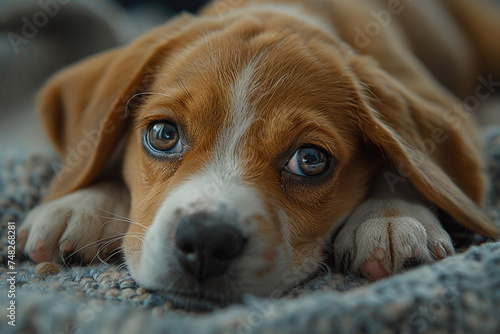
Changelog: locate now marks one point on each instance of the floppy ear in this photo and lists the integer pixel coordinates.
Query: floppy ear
(435, 147)
(83, 108)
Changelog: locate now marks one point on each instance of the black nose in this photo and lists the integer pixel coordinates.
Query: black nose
(206, 245)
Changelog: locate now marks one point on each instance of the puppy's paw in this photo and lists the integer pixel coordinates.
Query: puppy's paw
(377, 247)
(76, 226)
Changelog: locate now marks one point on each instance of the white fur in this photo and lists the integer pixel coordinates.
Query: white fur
(226, 153)
(87, 219)
(210, 191)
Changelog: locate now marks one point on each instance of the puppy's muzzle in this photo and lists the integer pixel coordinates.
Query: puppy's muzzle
(207, 244)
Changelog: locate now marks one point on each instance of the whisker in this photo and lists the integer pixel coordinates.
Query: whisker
(106, 244)
(113, 253)
(122, 218)
(110, 255)
(109, 240)
(127, 221)
(121, 266)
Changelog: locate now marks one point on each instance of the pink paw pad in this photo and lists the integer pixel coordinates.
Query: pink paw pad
(373, 269)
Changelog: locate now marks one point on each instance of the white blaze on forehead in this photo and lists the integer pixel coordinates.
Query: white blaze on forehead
(241, 115)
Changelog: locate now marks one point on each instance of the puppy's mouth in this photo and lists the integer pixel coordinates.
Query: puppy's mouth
(198, 301)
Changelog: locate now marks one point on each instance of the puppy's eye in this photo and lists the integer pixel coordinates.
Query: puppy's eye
(308, 161)
(163, 137)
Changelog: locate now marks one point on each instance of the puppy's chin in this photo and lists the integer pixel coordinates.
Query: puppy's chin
(187, 294)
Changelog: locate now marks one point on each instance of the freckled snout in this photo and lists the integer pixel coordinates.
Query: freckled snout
(206, 245)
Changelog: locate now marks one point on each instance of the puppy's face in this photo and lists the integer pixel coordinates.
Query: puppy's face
(242, 157)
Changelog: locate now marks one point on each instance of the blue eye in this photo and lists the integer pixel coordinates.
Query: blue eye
(308, 161)
(163, 137)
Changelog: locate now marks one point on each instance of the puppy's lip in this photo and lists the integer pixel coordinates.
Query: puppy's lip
(199, 301)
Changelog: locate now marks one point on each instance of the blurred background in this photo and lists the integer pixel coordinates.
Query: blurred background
(37, 37)
(168, 5)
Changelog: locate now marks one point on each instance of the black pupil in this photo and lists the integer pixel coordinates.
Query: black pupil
(166, 132)
(311, 161)
(163, 136)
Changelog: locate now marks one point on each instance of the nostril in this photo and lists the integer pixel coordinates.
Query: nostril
(228, 243)
(187, 239)
(184, 246)
(228, 252)
(223, 254)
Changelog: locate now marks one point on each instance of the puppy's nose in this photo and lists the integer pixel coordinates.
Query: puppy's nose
(205, 245)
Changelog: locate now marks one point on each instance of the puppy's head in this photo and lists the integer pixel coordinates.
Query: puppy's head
(241, 156)
(246, 142)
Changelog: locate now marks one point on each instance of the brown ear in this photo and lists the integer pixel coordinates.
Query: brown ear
(83, 108)
(427, 141)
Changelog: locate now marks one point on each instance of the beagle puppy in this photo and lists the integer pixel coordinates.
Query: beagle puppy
(225, 153)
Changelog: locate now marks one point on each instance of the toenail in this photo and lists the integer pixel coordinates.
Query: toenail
(440, 252)
(67, 246)
(21, 239)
